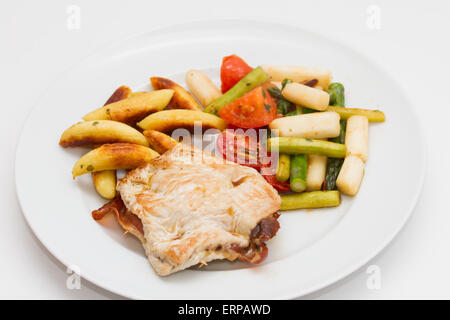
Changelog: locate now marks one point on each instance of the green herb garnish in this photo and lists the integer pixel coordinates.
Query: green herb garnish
(275, 92)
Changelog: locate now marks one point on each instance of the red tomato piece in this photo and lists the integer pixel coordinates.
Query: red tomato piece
(253, 110)
(280, 186)
(233, 69)
(239, 148)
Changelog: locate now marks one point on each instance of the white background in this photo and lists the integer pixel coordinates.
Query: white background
(412, 44)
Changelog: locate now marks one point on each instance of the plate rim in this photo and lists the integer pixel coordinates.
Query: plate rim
(161, 28)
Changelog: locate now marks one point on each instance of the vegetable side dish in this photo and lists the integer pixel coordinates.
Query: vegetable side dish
(285, 141)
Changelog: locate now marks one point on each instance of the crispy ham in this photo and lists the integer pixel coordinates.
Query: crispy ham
(127, 220)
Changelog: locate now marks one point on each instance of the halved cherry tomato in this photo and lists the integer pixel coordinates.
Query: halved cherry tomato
(253, 110)
(280, 186)
(247, 151)
(233, 69)
(239, 148)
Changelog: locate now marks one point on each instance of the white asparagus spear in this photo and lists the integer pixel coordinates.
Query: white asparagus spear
(314, 125)
(351, 175)
(202, 87)
(298, 74)
(317, 167)
(306, 96)
(357, 137)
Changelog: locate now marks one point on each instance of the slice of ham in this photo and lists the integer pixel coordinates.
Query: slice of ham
(257, 251)
(128, 220)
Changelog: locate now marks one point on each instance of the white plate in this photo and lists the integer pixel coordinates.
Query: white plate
(311, 250)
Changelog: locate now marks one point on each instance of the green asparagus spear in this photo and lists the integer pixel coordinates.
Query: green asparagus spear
(333, 169)
(314, 199)
(295, 112)
(306, 110)
(283, 105)
(336, 92)
(275, 92)
(286, 102)
(334, 165)
(337, 98)
(284, 165)
(253, 79)
(345, 113)
(292, 113)
(299, 167)
(292, 145)
(341, 137)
